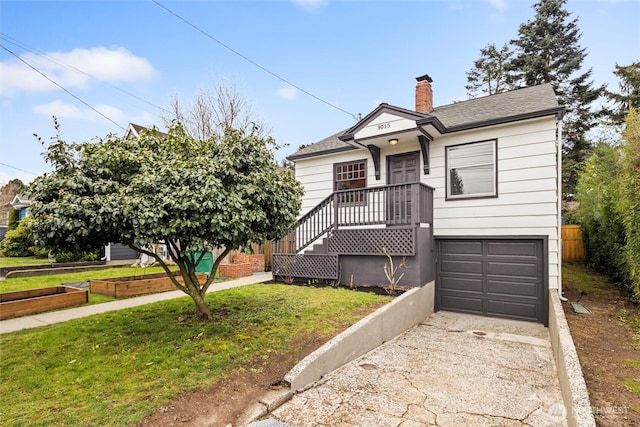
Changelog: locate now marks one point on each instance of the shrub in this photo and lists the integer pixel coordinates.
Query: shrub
(600, 218)
(12, 221)
(17, 242)
(609, 208)
(75, 256)
(630, 198)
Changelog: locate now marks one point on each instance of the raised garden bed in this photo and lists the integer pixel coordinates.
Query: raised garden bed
(136, 285)
(22, 303)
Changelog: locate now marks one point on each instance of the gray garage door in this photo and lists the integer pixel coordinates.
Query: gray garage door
(120, 252)
(498, 277)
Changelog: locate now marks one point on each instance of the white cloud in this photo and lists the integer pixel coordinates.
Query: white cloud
(288, 92)
(498, 4)
(61, 110)
(110, 65)
(309, 4)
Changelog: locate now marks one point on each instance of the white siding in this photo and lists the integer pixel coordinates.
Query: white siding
(316, 175)
(527, 202)
(385, 124)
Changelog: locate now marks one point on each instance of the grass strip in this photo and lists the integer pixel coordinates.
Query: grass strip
(22, 261)
(116, 368)
(24, 283)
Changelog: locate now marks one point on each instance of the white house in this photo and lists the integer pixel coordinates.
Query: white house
(468, 193)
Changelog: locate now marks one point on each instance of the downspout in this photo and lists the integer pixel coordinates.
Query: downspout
(559, 180)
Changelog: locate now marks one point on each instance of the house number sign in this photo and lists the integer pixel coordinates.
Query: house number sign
(383, 126)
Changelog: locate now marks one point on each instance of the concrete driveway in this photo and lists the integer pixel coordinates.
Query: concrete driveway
(451, 370)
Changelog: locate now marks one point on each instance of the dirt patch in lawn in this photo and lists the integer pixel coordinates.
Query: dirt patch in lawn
(605, 346)
(224, 402)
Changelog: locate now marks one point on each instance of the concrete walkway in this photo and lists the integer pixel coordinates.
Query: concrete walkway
(43, 319)
(451, 370)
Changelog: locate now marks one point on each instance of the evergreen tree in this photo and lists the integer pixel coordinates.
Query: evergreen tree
(548, 51)
(490, 74)
(629, 96)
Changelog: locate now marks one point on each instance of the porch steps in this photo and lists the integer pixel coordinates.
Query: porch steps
(319, 248)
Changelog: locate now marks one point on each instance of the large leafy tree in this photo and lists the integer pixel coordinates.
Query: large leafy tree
(548, 51)
(192, 194)
(490, 73)
(629, 95)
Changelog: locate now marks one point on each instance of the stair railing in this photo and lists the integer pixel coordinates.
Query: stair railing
(398, 204)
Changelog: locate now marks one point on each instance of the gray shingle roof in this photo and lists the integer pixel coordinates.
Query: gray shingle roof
(519, 104)
(330, 144)
(497, 108)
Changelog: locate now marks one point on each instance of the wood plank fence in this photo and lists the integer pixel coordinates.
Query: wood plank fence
(572, 245)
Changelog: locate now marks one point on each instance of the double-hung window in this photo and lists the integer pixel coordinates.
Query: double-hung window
(350, 176)
(472, 170)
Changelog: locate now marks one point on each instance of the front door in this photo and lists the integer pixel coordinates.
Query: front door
(402, 169)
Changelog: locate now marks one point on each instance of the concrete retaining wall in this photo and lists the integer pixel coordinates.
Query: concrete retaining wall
(404, 312)
(572, 385)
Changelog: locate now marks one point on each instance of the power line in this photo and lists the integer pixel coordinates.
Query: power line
(22, 45)
(60, 86)
(18, 169)
(251, 61)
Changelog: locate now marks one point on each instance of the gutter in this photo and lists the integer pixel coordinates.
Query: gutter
(559, 179)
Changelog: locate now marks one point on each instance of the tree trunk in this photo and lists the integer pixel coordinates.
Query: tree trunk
(202, 309)
(193, 289)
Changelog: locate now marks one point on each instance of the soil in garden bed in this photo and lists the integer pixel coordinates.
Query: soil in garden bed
(605, 347)
(377, 290)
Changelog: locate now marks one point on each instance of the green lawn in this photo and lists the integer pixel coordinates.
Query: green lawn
(22, 261)
(23, 283)
(33, 282)
(116, 368)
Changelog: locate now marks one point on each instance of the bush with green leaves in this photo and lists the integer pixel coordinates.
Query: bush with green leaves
(75, 256)
(18, 242)
(609, 208)
(12, 221)
(630, 198)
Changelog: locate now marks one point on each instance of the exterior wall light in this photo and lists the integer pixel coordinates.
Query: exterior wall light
(393, 141)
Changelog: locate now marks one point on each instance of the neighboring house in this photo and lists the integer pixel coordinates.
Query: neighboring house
(468, 193)
(21, 203)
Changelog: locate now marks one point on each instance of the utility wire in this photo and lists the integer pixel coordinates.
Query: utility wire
(18, 169)
(60, 86)
(195, 27)
(18, 43)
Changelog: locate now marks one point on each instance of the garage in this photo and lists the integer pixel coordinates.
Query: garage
(496, 277)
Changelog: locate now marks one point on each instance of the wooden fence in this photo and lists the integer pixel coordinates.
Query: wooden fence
(572, 245)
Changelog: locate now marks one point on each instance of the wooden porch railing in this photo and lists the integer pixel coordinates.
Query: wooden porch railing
(399, 204)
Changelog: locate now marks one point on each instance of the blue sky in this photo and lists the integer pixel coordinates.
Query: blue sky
(351, 54)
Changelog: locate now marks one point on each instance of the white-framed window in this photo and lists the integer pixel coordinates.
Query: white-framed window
(350, 176)
(472, 170)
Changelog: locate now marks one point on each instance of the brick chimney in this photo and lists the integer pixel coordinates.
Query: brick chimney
(424, 94)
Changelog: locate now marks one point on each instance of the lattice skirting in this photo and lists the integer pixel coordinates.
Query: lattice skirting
(373, 241)
(312, 265)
